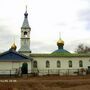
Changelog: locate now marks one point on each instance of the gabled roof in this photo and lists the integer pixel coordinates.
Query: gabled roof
(13, 56)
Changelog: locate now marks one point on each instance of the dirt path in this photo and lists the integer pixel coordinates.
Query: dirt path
(46, 83)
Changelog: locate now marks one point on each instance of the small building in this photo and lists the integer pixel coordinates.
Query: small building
(13, 63)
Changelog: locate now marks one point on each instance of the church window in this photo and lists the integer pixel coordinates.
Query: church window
(25, 34)
(70, 63)
(47, 64)
(58, 64)
(80, 63)
(35, 64)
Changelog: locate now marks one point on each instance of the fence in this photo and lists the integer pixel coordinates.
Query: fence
(45, 72)
(59, 72)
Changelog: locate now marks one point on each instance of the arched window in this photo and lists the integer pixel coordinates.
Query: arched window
(80, 63)
(25, 34)
(70, 63)
(35, 64)
(47, 64)
(58, 64)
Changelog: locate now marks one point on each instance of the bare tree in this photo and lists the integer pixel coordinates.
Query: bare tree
(82, 49)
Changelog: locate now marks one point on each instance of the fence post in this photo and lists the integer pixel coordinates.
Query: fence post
(68, 72)
(58, 71)
(10, 73)
(48, 71)
(78, 72)
(38, 72)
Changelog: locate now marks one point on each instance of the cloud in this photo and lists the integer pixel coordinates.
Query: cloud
(40, 47)
(47, 18)
(84, 16)
(6, 36)
(72, 45)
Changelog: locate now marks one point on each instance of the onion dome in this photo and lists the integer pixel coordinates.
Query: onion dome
(60, 42)
(13, 47)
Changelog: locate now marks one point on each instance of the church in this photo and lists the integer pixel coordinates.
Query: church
(59, 62)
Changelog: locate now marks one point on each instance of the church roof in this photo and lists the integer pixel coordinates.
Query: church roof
(61, 50)
(25, 24)
(60, 55)
(13, 56)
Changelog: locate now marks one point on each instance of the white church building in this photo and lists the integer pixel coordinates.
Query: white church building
(59, 62)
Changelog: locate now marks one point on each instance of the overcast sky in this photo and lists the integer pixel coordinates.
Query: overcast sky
(46, 18)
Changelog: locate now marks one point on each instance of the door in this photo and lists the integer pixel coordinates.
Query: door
(88, 69)
(24, 68)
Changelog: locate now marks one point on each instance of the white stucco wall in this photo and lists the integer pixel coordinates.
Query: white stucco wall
(64, 62)
(5, 67)
(41, 63)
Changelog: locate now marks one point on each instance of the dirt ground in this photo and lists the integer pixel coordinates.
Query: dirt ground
(45, 83)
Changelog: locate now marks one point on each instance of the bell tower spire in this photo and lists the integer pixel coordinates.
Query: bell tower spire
(25, 35)
(25, 24)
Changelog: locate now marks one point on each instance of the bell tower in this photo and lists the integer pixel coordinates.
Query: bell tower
(25, 35)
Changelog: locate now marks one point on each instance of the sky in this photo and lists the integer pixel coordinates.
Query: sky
(46, 18)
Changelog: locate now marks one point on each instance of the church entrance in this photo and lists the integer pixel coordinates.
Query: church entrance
(88, 69)
(24, 68)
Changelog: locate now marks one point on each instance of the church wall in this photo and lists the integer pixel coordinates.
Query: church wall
(64, 62)
(18, 65)
(5, 65)
(41, 63)
(11, 67)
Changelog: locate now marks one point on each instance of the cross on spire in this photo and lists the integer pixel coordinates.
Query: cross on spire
(59, 35)
(26, 8)
(26, 14)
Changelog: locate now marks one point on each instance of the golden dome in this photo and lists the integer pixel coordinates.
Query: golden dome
(14, 46)
(60, 41)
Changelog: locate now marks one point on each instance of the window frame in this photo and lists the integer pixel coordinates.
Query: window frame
(70, 64)
(58, 64)
(47, 64)
(35, 64)
(80, 63)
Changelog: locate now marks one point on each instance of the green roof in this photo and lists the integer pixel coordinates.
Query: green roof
(60, 55)
(61, 50)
